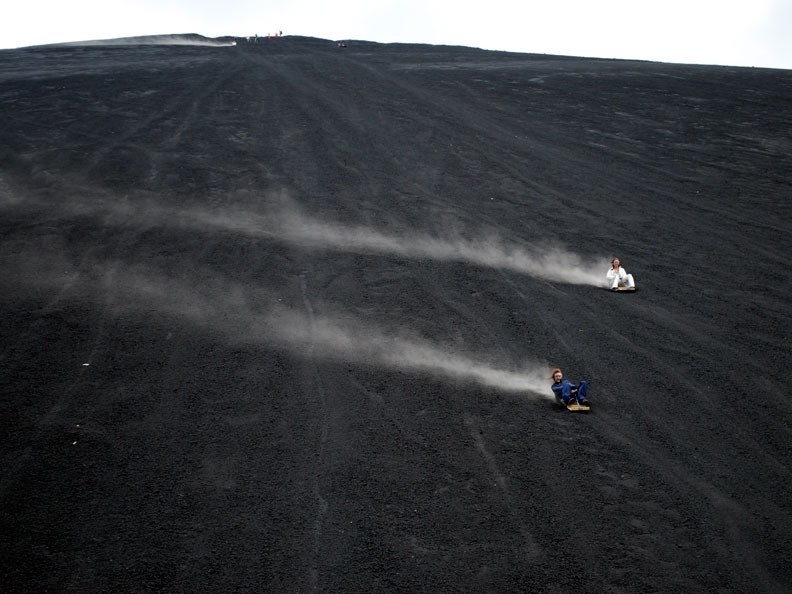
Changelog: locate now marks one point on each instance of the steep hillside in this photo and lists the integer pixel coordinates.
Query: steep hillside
(280, 316)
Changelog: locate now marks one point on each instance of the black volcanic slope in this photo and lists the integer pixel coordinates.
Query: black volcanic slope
(272, 316)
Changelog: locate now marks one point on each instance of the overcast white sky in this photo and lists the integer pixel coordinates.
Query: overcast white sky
(728, 32)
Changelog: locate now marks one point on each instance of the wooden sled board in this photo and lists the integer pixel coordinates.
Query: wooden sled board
(575, 407)
(624, 289)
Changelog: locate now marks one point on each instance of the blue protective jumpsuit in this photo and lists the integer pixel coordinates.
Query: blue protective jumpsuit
(563, 391)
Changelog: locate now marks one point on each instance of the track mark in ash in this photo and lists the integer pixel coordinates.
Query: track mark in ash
(317, 471)
(475, 433)
(529, 542)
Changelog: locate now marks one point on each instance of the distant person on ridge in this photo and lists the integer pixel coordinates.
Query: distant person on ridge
(566, 392)
(618, 277)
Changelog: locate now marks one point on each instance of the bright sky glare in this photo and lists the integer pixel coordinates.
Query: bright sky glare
(725, 32)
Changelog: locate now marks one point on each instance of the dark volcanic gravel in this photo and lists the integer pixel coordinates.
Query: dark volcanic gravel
(271, 318)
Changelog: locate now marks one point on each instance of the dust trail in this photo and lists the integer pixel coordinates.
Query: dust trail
(285, 222)
(347, 339)
(549, 263)
(254, 317)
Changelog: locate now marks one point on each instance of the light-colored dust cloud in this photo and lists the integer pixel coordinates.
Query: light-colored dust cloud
(255, 317)
(282, 220)
(344, 338)
(550, 263)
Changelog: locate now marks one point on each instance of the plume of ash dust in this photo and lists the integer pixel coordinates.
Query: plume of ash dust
(287, 224)
(548, 263)
(349, 340)
(230, 312)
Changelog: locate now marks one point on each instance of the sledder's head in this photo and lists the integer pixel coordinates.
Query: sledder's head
(615, 263)
(557, 375)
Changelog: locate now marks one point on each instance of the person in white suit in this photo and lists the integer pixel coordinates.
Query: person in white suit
(618, 277)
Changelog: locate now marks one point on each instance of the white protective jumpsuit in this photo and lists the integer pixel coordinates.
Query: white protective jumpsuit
(619, 278)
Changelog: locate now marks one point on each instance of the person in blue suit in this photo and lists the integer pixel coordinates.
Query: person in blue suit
(566, 392)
